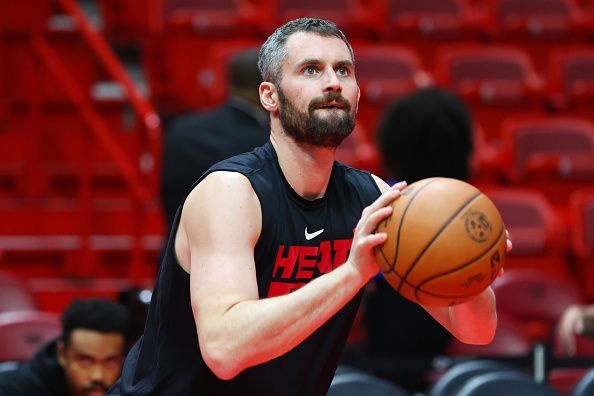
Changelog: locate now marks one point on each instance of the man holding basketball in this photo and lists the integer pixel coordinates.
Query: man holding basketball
(263, 272)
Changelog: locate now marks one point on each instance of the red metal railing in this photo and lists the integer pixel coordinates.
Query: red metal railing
(141, 174)
(142, 107)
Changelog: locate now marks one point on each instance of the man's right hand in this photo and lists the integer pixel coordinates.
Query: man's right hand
(365, 239)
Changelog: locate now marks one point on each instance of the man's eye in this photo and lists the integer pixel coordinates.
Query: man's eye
(342, 71)
(309, 70)
(113, 362)
(84, 361)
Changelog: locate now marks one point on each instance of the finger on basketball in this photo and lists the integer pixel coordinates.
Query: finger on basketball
(375, 218)
(399, 186)
(372, 240)
(385, 199)
(509, 244)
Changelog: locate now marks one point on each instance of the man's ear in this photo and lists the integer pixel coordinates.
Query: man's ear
(61, 353)
(268, 96)
(358, 97)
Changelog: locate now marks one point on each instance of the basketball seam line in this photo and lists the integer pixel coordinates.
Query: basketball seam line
(418, 287)
(443, 227)
(395, 258)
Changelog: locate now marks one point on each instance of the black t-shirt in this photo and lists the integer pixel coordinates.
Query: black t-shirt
(300, 240)
(41, 376)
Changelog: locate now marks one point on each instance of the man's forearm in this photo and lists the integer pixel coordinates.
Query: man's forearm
(255, 331)
(472, 322)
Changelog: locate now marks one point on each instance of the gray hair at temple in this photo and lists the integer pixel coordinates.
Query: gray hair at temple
(274, 51)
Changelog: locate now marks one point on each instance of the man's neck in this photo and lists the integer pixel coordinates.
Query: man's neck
(306, 168)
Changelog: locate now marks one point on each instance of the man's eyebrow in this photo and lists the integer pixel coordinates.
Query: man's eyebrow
(314, 62)
(345, 63)
(310, 61)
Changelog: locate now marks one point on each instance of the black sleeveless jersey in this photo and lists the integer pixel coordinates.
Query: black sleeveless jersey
(300, 240)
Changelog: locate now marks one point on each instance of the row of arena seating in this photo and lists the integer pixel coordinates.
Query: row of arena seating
(173, 67)
(428, 19)
(495, 80)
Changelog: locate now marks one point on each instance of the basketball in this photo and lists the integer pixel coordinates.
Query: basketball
(446, 242)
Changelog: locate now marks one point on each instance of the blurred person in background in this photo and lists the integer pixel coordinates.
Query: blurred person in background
(85, 361)
(425, 134)
(196, 141)
(576, 320)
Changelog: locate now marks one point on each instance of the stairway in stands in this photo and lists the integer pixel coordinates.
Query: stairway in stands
(79, 153)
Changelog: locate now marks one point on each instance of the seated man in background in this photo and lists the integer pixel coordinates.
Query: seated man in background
(85, 360)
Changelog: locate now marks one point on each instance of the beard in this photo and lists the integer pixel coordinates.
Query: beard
(309, 128)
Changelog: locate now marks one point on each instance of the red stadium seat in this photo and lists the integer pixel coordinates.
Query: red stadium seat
(495, 82)
(529, 141)
(582, 217)
(428, 24)
(181, 81)
(385, 72)
(537, 24)
(536, 299)
(581, 209)
(439, 19)
(357, 18)
(549, 154)
(213, 76)
(175, 58)
(22, 333)
(564, 379)
(223, 18)
(539, 19)
(14, 294)
(571, 80)
(537, 233)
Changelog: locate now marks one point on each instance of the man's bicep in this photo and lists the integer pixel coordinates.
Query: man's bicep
(224, 228)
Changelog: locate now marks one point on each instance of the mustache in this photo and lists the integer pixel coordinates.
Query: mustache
(328, 98)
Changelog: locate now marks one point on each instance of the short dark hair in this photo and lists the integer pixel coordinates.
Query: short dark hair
(243, 70)
(274, 50)
(97, 314)
(425, 134)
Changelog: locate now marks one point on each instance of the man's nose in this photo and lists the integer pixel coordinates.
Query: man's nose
(331, 81)
(97, 373)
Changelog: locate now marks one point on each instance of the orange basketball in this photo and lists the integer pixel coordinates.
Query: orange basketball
(446, 242)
